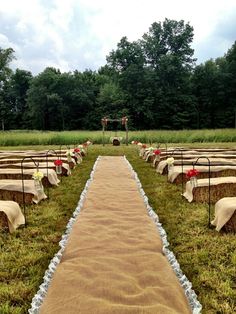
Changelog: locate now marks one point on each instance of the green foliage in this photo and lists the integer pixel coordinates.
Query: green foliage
(153, 81)
(6, 56)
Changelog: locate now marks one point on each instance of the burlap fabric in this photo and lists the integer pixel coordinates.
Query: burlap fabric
(15, 218)
(65, 166)
(16, 185)
(9, 173)
(113, 261)
(188, 194)
(224, 210)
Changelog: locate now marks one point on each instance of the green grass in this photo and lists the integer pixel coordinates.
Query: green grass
(208, 258)
(16, 138)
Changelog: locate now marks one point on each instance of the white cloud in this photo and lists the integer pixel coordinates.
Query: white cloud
(78, 34)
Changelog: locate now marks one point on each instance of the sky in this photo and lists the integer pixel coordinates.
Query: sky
(78, 34)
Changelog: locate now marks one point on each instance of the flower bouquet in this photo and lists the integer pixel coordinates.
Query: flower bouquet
(77, 155)
(58, 164)
(157, 154)
(191, 174)
(37, 176)
(69, 155)
(82, 151)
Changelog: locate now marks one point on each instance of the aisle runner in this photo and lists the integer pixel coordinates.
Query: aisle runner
(113, 261)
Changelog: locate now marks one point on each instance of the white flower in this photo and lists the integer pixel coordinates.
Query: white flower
(139, 144)
(81, 146)
(88, 143)
(38, 175)
(69, 153)
(170, 161)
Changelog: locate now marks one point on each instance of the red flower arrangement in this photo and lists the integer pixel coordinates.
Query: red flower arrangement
(157, 152)
(192, 173)
(77, 150)
(58, 162)
(144, 146)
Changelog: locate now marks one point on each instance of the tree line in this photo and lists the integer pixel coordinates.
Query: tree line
(154, 81)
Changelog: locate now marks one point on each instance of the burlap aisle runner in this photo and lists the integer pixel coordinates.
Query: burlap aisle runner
(113, 261)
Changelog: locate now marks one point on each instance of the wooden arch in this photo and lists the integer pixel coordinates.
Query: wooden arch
(123, 121)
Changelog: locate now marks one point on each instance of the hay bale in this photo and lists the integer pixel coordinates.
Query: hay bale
(204, 175)
(201, 193)
(18, 176)
(230, 225)
(115, 142)
(16, 196)
(150, 158)
(3, 222)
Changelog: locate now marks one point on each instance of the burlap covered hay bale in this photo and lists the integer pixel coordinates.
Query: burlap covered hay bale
(16, 196)
(3, 222)
(201, 193)
(150, 158)
(18, 176)
(230, 225)
(203, 175)
(115, 142)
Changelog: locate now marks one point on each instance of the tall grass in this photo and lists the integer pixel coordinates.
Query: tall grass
(17, 138)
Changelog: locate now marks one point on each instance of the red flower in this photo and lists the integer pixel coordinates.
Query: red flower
(144, 146)
(58, 162)
(76, 150)
(157, 152)
(192, 173)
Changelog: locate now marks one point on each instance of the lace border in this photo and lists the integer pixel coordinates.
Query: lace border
(185, 283)
(43, 288)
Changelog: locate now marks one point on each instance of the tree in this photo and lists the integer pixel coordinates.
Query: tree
(231, 82)
(44, 101)
(16, 94)
(168, 54)
(6, 56)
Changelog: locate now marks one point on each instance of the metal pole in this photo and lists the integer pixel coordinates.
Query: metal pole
(103, 134)
(209, 187)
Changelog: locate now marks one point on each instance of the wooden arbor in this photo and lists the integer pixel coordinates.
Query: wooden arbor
(123, 121)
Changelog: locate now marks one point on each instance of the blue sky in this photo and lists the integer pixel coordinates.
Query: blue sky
(79, 34)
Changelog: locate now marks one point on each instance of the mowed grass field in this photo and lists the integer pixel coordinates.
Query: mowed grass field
(208, 258)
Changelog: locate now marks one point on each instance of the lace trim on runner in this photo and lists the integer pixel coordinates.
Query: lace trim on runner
(185, 283)
(43, 288)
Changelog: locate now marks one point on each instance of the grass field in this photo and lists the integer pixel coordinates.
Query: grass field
(208, 258)
(17, 138)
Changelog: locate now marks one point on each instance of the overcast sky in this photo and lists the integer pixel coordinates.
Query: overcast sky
(79, 34)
